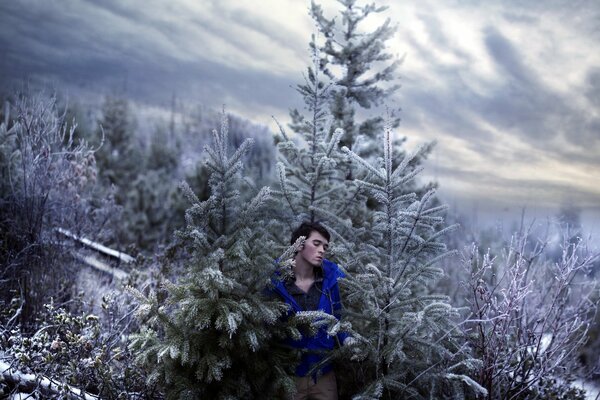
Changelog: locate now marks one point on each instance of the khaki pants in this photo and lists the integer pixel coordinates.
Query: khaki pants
(324, 389)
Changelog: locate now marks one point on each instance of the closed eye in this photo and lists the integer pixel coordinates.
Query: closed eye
(318, 242)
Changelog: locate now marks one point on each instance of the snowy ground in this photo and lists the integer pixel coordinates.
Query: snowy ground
(592, 391)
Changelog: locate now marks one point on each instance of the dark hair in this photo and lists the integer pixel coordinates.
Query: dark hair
(306, 228)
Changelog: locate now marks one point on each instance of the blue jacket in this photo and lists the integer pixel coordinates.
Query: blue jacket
(330, 303)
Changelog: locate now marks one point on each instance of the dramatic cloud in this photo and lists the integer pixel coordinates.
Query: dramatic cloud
(509, 95)
(509, 90)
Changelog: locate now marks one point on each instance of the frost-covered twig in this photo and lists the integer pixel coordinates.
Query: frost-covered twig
(529, 315)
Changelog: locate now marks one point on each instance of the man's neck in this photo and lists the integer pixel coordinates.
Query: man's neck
(303, 270)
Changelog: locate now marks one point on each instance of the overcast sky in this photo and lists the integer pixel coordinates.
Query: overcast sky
(510, 90)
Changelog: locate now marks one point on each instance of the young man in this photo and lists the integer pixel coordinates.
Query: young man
(314, 286)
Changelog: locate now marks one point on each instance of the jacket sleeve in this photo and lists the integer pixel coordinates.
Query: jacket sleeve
(336, 306)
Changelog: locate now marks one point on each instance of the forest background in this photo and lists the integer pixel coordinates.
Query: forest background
(108, 168)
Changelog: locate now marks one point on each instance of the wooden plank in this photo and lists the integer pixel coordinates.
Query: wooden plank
(126, 258)
(99, 265)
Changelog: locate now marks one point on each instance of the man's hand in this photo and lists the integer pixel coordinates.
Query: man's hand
(349, 341)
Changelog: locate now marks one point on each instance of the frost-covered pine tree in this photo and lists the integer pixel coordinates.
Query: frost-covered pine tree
(411, 346)
(312, 184)
(352, 59)
(153, 208)
(363, 73)
(209, 334)
(118, 158)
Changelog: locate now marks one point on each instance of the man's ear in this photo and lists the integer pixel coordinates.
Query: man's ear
(298, 250)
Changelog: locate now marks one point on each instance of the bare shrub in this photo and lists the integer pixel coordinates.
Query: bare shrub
(530, 315)
(45, 183)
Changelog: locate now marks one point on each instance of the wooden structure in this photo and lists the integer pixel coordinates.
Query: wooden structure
(95, 262)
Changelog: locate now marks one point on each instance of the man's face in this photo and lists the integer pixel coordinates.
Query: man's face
(314, 249)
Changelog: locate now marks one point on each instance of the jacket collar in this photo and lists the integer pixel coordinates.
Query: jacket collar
(331, 273)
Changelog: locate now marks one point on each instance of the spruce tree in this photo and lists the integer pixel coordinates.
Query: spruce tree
(210, 334)
(151, 200)
(149, 212)
(408, 343)
(411, 346)
(311, 176)
(363, 72)
(359, 83)
(119, 158)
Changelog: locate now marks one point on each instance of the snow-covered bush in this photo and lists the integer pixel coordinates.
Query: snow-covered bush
(70, 352)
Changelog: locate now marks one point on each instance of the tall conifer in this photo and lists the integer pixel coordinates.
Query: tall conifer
(363, 73)
(359, 83)
(310, 178)
(119, 158)
(411, 346)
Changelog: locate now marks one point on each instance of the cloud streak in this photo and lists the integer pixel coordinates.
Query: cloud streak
(511, 89)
